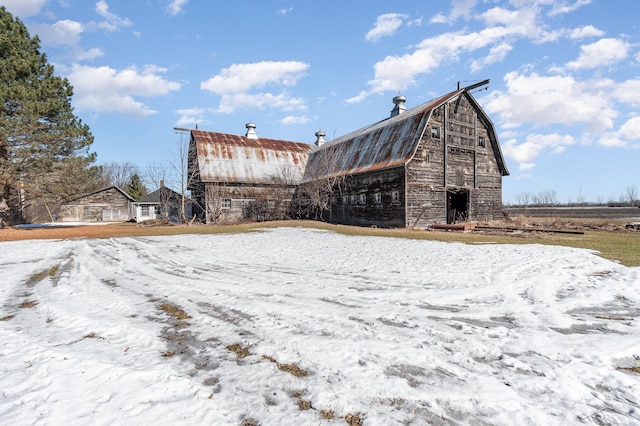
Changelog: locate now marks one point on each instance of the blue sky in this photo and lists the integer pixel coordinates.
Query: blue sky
(564, 93)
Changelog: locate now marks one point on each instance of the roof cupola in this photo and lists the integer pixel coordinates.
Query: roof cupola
(320, 138)
(400, 107)
(251, 130)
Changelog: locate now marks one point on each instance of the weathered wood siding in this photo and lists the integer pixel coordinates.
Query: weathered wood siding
(455, 154)
(228, 203)
(367, 199)
(109, 205)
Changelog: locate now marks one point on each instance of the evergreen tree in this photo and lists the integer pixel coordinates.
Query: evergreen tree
(136, 188)
(44, 147)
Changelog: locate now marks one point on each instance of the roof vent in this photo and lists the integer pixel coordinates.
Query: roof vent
(399, 108)
(320, 138)
(251, 131)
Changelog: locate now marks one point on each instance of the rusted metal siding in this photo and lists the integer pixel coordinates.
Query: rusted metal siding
(229, 158)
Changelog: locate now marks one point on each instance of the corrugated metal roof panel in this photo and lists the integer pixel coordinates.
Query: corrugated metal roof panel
(237, 159)
(385, 144)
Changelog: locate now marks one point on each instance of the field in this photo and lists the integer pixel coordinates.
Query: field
(295, 325)
(610, 238)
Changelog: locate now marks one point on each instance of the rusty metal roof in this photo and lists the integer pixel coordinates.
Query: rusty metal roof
(230, 158)
(388, 143)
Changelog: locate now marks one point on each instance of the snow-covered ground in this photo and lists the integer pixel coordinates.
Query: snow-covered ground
(297, 326)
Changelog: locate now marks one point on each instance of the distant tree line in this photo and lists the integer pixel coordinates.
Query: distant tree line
(630, 197)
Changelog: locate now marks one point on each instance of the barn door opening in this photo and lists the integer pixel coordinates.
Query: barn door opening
(457, 206)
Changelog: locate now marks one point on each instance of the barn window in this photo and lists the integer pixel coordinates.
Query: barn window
(435, 132)
(272, 203)
(145, 210)
(353, 199)
(395, 196)
(482, 141)
(378, 197)
(363, 198)
(226, 203)
(345, 199)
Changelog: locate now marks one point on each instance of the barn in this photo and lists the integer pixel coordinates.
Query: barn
(437, 162)
(234, 178)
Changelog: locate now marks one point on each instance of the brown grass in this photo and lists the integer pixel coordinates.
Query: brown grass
(239, 350)
(603, 236)
(293, 370)
(635, 369)
(37, 277)
(175, 311)
(327, 414)
(28, 304)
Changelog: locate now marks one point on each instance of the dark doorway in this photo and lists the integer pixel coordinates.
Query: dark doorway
(457, 206)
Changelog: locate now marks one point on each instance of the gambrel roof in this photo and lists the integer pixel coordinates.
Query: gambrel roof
(227, 158)
(386, 144)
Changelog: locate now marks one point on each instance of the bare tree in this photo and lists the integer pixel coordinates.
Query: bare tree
(546, 198)
(181, 168)
(320, 182)
(524, 198)
(631, 193)
(274, 201)
(118, 174)
(154, 174)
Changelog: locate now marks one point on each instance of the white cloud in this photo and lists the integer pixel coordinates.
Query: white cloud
(627, 92)
(544, 100)
(396, 73)
(192, 116)
(282, 101)
(585, 32)
(459, 8)
(24, 8)
(87, 55)
(294, 119)
(236, 85)
(462, 8)
(496, 54)
(175, 7)
(104, 89)
(112, 21)
(561, 7)
(631, 129)
(562, 100)
(503, 27)
(285, 11)
(439, 19)
(533, 146)
(603, 52)
(65, 32)
(386, 25)
(624, 137)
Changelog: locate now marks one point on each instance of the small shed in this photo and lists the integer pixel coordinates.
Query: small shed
(164, 203)
(110, 204)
